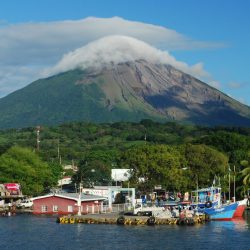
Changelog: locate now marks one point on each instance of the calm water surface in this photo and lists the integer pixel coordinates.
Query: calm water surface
(39, 232)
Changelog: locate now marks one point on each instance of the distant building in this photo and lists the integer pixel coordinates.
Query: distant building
(121, 174)
(67, 203)
(110, 193)
(64, 181)
(70, 167)
(103, 191)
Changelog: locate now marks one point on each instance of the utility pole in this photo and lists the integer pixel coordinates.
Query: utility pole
(79, 201)
(38, 138)
(58, 149)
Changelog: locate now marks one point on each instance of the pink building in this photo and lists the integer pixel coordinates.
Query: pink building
(67, 203)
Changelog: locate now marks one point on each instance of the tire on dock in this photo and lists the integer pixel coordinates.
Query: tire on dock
(120, 220)
(181, 221)
(189, 221)
(151, 221)
(207, 217)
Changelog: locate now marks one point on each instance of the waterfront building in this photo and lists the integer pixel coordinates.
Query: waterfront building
(67, 203)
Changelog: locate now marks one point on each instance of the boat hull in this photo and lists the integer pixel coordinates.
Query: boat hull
(225, 212)
(240, 208)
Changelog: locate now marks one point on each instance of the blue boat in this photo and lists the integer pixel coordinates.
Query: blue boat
(208, 201)
(224, 212)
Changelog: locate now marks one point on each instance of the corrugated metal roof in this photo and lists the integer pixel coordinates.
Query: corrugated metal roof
(84, 196)
(72, 196)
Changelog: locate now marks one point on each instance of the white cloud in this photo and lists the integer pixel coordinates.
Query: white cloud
(119, 49)
(235, 85)
(16, 77)
(52, 39)
(215, 84)
(41, 45)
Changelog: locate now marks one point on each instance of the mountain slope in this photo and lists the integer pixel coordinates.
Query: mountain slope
(127, 91)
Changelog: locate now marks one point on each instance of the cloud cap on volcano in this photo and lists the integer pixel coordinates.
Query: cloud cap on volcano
(119, 49)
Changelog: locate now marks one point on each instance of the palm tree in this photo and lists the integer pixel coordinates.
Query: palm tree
(246, 174)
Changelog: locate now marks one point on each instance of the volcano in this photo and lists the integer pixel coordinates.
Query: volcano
(127, 91)
(120, 78)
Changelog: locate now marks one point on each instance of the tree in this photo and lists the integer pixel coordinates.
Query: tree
(246, 171)
(204, 163)
(92, 172)
(246, 174)
(23, 166)
(235, 145)
(56, 170)
(154, 164)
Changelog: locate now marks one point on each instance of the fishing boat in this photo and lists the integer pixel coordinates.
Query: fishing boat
(223, 212)
(240, 208)
(208, 201)
(206, 197)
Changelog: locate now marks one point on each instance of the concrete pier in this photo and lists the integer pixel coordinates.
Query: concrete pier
(130, 220)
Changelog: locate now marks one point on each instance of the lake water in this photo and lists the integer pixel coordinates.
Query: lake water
(41, 232)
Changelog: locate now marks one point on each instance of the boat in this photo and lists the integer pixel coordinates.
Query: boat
(208, 201)
(224, 212)
(206, 197)
(240, 208)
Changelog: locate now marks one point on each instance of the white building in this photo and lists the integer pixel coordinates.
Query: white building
(64, 181)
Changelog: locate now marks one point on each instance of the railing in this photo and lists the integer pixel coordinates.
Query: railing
(115, 208)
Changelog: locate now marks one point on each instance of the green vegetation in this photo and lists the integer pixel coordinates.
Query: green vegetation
(23, 166)
(59, 99)
(173, 155)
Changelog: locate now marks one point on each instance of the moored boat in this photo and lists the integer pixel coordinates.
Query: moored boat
(224, 212)
(208, 201)
(206, 197)
(240, 208)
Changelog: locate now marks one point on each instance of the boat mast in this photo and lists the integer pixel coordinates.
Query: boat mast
(197, 194)
(229, 195)
(234, 185)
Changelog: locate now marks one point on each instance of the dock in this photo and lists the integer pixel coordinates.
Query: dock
(130, 220)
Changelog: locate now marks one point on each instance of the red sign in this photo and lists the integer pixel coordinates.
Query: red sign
(12, 186)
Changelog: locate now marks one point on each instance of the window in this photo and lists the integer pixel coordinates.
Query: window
(44, 208)
(55, 208)
(70, 209)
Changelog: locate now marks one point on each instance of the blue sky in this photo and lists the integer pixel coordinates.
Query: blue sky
(223, 27)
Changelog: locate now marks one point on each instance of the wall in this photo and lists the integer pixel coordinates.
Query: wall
(62, 204)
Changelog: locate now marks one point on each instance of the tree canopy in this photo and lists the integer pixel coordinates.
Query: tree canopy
(21, 165)
(171, 154)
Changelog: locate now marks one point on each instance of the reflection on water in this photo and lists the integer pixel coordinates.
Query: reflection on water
(41, 232)
(247, 217)
(236, 225)
(239, 225)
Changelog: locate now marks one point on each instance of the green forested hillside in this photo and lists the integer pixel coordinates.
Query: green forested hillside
(62, 98)
(170, 154)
